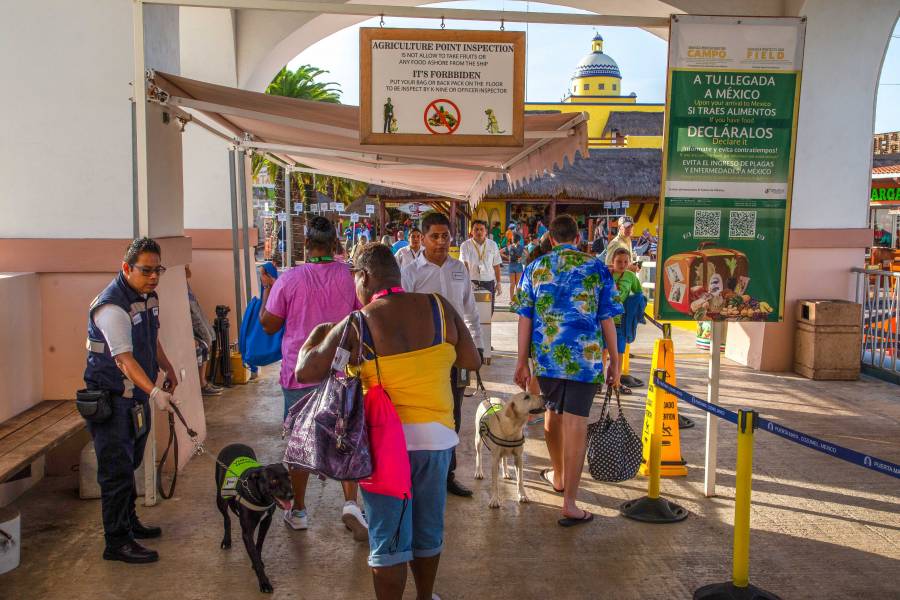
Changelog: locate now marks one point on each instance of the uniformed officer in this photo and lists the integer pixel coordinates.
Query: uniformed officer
(124, 359)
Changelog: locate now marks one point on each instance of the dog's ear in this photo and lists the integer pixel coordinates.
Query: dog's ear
(510, 409)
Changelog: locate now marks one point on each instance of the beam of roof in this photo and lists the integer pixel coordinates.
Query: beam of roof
(386, 9)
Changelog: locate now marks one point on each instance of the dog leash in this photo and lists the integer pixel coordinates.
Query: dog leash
(199, 450)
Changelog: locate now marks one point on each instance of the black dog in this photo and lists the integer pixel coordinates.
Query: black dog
(252, 497)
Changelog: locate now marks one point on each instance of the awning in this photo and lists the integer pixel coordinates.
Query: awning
(324, 138)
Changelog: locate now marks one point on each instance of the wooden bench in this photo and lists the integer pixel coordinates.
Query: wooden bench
(35, 432)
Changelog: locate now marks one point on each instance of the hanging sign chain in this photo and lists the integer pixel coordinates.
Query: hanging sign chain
(442, 23)
(381, 23)
(502, 25)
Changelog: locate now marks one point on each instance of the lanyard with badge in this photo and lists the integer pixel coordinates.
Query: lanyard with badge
(482, 268)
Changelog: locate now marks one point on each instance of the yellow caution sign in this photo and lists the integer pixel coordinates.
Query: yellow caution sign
(672, 464)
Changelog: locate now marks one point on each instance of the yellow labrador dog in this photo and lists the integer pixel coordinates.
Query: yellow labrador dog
(500, 427)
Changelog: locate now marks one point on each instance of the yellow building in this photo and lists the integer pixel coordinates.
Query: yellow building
(618, 123)
(615, 119)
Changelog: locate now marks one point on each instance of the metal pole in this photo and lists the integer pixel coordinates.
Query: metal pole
(235, 252)
(712, 422)
(289, 234)
(743, 477)
(140, 120)
(242, 196)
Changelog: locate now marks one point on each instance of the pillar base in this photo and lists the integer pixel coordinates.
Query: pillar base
(729, 591)
(653, 510)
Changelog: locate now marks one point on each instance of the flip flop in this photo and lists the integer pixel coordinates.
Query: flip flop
(572, 521)
(548, 479)
(624, 390)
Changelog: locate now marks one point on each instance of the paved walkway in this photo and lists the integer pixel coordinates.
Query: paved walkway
(821, 528)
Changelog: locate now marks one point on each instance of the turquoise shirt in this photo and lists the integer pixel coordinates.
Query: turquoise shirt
(567, 294)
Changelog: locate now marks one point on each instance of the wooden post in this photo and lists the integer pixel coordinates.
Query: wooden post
(552, 209)
(453, 218)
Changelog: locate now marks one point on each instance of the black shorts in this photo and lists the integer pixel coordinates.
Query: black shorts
(564, 395)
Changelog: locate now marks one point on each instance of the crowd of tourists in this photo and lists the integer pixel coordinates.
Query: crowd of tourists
(403, 318)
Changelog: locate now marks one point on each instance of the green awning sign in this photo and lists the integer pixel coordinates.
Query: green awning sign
(882, 194)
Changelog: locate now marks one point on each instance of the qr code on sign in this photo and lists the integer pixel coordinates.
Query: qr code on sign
(742, 224)
(707, 223)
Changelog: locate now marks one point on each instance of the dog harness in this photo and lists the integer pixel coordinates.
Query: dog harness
(485, 432)
(236, 475)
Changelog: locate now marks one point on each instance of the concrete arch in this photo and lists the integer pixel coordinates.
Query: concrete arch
(258, 62)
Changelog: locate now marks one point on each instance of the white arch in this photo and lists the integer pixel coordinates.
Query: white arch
(258, 62)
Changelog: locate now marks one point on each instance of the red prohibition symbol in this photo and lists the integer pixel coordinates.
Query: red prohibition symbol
(442, 116)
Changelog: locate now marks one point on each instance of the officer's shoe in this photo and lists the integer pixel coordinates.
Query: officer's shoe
(142, 532)
(457, 489)
(131, 552)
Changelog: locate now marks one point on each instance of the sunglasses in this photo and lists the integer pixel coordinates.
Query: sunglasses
(148, 271)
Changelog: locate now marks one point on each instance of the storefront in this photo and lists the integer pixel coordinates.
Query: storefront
(884, 217)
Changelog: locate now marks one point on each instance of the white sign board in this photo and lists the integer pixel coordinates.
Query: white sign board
(336, 206)
(440, 87)
(324, 206)
(298, 207)
(370, 209)
(354, 217)
(282, 217)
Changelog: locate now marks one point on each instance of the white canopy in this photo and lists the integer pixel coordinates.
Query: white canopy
(324, 138)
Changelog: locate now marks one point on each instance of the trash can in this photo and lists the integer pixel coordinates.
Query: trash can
(483, 302)
(10, 539)
(828, 339)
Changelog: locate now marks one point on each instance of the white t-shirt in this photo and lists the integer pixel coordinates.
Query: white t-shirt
(116, 327)
(480, 259)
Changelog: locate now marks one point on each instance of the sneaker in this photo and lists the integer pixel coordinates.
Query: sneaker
(355, 521)
(209, 390)
(296, 519)
(254, 375)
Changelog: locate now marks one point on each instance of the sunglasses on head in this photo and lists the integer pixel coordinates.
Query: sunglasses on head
(147, 271)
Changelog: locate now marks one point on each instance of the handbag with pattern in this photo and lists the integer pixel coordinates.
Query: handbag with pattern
(614, 450)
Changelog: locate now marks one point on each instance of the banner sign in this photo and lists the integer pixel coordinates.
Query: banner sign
(431, 87)
(728, 156)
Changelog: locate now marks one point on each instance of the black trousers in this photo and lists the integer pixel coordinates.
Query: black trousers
(119, 454)
(457, 414)
(487, 286)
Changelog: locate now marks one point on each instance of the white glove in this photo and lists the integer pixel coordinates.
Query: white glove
(163, 400)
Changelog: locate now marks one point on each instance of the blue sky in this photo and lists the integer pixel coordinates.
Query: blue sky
(553, 52)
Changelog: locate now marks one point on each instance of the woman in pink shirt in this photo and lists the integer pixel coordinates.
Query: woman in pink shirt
(320, 291)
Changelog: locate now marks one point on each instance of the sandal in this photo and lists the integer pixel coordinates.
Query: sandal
(624, 390)
(572, 521)
(545, 475)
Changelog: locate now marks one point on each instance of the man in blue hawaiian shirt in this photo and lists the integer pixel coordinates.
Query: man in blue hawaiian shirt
(566, 302)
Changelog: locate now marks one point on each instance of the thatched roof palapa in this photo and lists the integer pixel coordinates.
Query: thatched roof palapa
(608, 174)
(634, 123)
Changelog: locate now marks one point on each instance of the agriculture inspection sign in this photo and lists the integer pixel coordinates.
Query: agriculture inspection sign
(442, 87)
(731, 123)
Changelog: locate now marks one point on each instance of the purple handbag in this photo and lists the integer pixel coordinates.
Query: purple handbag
(328, 427)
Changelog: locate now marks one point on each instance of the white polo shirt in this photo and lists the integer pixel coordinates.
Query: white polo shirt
(480, 259)
(451, 281)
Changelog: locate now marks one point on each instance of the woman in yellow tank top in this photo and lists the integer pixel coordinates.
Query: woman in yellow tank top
(418, 338)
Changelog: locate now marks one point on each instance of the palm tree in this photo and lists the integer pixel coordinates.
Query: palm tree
(304, 83)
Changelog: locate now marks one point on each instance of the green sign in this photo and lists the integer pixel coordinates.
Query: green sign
(882, 194)
(731, 116)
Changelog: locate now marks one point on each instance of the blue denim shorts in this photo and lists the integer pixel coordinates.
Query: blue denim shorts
(400, 530)
(291, 397)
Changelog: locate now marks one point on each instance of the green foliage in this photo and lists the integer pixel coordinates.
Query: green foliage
(303, 83)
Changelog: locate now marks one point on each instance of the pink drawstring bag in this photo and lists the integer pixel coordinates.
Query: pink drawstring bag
(387, 445)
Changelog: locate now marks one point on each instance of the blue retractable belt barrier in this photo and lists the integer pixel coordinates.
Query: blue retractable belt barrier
(846, 454)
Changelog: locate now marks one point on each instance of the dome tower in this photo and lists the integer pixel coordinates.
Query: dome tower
(597, 74)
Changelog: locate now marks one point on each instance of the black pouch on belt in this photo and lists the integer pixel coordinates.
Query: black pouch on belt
(94, 405)
(138, 420)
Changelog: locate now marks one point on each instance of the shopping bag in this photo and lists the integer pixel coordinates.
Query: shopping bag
(614, 450)
(257, 347)
(328, 428)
